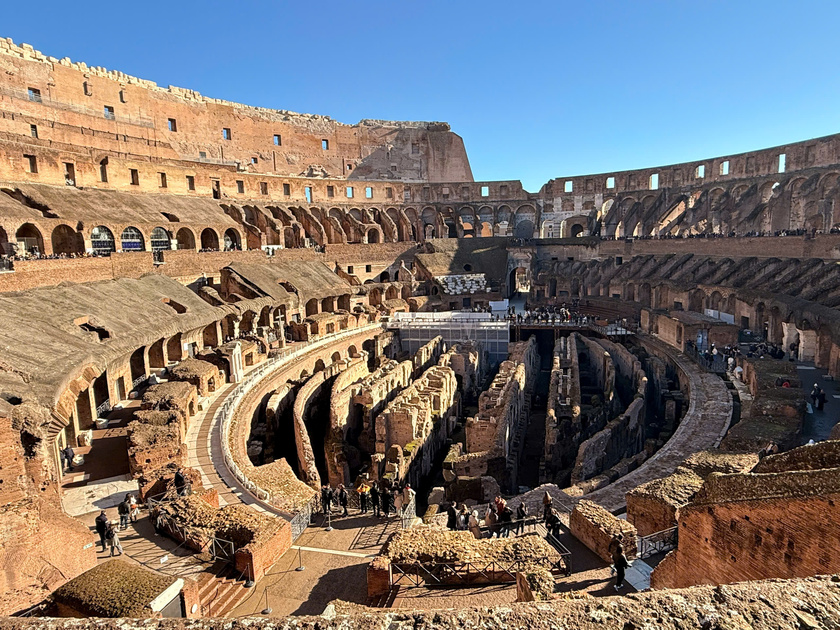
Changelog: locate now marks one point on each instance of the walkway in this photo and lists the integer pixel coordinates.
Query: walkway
(702, 428)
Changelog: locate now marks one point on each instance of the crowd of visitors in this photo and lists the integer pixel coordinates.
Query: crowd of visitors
(380, 498)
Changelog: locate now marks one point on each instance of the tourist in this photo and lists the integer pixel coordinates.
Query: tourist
(505, 521)
(133, 507)
(521, 514)
(67, 455)
(451, 517)
(123, 510)
(385, 497)
(552, 522)
(408, 495)
(180, 483)
(101, 523)
(374, 498)
(463, 518)
(343, 499)
(473, 524)
(398, 501)
(113, 539)
(616, 545)
(490, 520)
(620, 564)
(363, 491)
(326, 499)
(547, 501)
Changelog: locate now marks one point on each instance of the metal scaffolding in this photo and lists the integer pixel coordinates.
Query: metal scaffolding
(417, 329)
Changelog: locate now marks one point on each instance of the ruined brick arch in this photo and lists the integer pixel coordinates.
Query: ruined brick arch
(645, 294)
(233, 239)
(467, 222)
(353, 352)
(64, 240)
(246, 324)
(336, 357)
(405, 292)
(157, 360)
(715, 300)
(375, 296)
(320, 366)
(29, 237)
(392, 293)
(265, 316)
(312, 307)
(373, 234)
(186, 238)
(327, 304)
(209, 239)
(210, 336)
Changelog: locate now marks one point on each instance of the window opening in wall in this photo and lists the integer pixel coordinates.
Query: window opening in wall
(782, 159)
(445, 192)
(415, 148)
(610, 182)
(172, 123)
(330, 191)
(240, 186)
(350, 269)
(216, 187)
(368, 192)
(724, 167)
(254, 160)
(307, 191)
(202, 155)
(349, 167)
(87, 89)
(325, 144)
(287, 189)
(109, 113)
(503, 190)
(135, 177)
(103, 170)
(33, 130)
(69, 174)
(31, 163)
(427, 193)
(263, 188)
(389, 192)
(394, 168)
(226, 135)
(349, 192)
(568, 186)
(407, 193)
(619, 260)
(277, 139)
(465, 192)
(122, 96)
(485, 191)
(190, 182)
(162, 180)
(34, 95)
(654, 181)
(700, 171)
(368, 268)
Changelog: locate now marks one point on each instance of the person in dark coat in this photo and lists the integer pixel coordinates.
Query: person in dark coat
(180, 483)
(505, 521)
(374, 498)
(451, 517)
(123, 509)
(343, 499)
(67, 455)
(326, 499)
(385, 496)
(620, 565)
(101, 527)
(521, 514)
(616, 545)
(552, 523)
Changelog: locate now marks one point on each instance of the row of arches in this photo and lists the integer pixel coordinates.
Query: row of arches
(65, 240)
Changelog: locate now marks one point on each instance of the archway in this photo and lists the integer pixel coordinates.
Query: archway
(102, 240)
(232, 240)
(66, 241)
(29, 239)
(319, 366)
(210, 336)
(336, 357)
(137, 365)
(577, 230)
(174, 348)
(185, 238)
(156, 357)
(209, 239)
(518, 281)
(131, 240)
(524, 229)
(312, 307)
(160, 240)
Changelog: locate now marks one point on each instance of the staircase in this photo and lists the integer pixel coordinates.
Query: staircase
(220, 590)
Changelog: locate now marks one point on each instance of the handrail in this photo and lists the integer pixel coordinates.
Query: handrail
(657, 542)
(228, 409)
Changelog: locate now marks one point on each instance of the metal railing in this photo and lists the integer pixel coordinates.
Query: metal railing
(466, 573)
(302, 519)
(103, 408)
(715, 363)
(658, 542)
(139, 381)
(228, 409)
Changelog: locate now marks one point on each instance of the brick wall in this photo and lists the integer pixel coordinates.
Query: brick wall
(594, 527)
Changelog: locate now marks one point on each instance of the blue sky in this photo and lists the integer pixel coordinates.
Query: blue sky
(536, 89)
